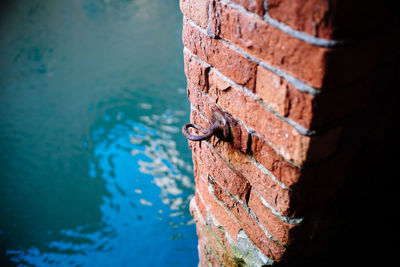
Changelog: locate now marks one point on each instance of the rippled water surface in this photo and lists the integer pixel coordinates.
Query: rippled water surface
(94, 169)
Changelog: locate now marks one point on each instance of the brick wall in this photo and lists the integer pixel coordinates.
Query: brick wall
(295, 79)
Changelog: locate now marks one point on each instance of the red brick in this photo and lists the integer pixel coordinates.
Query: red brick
(265, 42)
(201, 102)
(195, 211)
(240, 136)
(196, 72)
(214, 261)
(200, 206)
(252, 113)
(310, 63)
(201, 248)
(217, 231)
(273, 193)
(288, 141)
(284, 201)
(218, 54)
(284, 171)
(330, 19)
(311, 112)
(196, 10)
(281, 231)
(255, 6)
(209, 238)
(217, 167)
(221, 236)
(252, 229)
(227, 220)
(283, 98)
(316, 183)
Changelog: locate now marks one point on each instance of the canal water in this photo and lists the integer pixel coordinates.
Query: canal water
(94, 169)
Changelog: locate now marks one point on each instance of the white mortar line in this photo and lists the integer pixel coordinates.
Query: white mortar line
(249, 130)
(211, 219)
(208, 208)
(249, 211)
(267, 172)
(275, 212)
(195, 25)
(297, 83)
(317, 41)
(258, 165)
(292, 221)
(202, 220)
(300, 129)
(277, 151)
(283, 218)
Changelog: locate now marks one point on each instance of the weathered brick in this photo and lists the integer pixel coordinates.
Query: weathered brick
(310, 63)
(284, 98)
(196, 10)
(281, 231)
(201, 102)
(193, 207)
(217, 231)
(196, 71)
(226, 219)
(201, 248)
(249, 224)
(272, 192)
(309, 111)
(222, 237)
(211, 256)
(330, 19)
(316, 183)
(255, 6)
(271, 160)
(218, 248)
(200, 205)
(284, 201)
(288, 141)
(243, 106)
(240, 136)
(263, 41)
(220, 55)
(217, 167)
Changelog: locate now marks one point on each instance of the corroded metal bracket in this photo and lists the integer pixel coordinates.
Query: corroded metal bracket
(218, 127)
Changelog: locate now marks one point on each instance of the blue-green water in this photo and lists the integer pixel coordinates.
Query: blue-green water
(94, 169)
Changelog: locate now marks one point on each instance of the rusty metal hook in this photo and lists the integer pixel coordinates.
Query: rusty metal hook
(219, 127)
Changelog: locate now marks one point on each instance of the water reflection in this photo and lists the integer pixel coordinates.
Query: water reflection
(148, 191)
(95, 171)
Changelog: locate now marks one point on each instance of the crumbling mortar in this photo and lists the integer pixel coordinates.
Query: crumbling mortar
(239, 257)
(248, 210)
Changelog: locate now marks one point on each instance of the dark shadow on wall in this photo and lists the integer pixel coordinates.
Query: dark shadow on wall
(365, 231)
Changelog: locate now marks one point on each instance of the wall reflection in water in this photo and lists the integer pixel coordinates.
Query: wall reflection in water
(94, 169)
